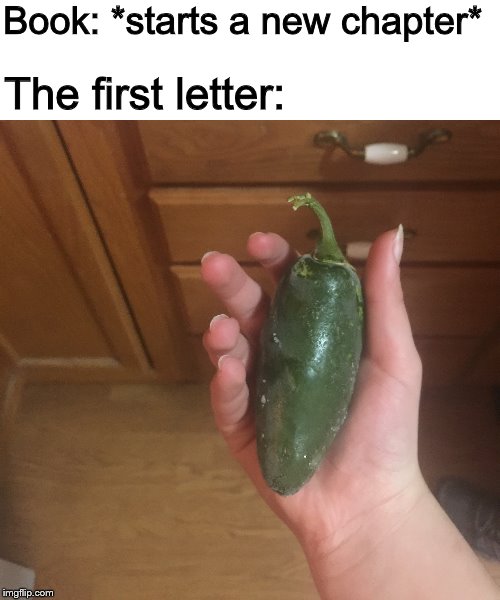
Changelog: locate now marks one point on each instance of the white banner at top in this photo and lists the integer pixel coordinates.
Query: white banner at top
(249, 60)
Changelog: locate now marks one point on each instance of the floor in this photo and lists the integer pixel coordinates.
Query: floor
(128, 492)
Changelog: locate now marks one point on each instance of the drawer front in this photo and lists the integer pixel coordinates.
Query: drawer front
(276, 151)
(199, 304)
(441, 301)
(443, 226)
(452, 301)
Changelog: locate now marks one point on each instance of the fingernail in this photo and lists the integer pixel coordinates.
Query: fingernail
(217, 318)
(207, 254)
(221, 360)
(397, 246)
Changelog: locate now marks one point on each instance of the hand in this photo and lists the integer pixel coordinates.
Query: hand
(373, 461)
(368, 524)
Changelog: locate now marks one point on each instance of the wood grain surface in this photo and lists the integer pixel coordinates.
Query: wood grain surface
(108, 159)
(128, 492)
(486, 367)
(454, 226)
(284, 151)
(61, 307)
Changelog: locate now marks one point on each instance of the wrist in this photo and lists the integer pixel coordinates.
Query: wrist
(341, 557)
(407, 547)
(337, 538)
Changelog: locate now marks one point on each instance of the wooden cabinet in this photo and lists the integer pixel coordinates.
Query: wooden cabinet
(62, 313)
(108, 159)
(216, 152)
(215, 183)
(104, 224)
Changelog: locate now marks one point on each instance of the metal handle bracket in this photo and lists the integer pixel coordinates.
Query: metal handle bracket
(382, 153)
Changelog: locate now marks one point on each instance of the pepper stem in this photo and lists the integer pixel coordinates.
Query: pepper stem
(327, 249)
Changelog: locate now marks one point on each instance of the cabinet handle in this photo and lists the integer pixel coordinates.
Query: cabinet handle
(382, 153)
(358, 250)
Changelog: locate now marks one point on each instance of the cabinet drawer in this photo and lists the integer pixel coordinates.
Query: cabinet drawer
(440, 301)
(452, 301)
(199, 304)
(277, 151)
(443, 226)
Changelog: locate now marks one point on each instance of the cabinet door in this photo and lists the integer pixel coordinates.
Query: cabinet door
(62, 314)
(108, 159)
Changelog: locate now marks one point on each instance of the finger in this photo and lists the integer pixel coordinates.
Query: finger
(230, 403)
(388, 331)
(272, 252)
(224, 338)
(242, 296)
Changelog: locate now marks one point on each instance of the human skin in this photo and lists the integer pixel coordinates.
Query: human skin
(369, 526)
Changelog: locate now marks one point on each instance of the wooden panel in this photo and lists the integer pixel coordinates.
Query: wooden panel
(279, 151)
(8, 370)
(84, 371)
(39, 297)
(108, 159)
(446, 361)
(452, 301)
(486, 369)
(5, 371)
(59, 300)
(440, 301)
(130, 493)
(445, 226)
(199, 303)
(12, 380)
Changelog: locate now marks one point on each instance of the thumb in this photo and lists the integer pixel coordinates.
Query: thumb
(389, 340)
(383, 425)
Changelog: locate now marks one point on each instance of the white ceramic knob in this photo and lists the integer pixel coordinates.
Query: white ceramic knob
(386, 154)
(358, 250)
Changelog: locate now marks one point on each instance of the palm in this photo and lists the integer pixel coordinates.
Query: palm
(363, 469)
